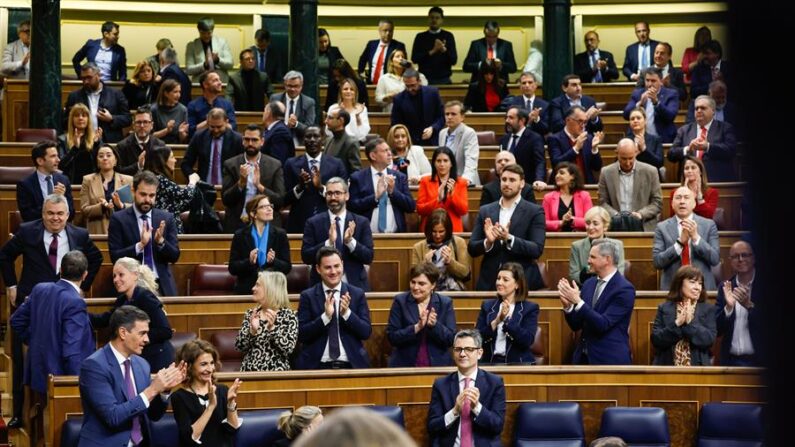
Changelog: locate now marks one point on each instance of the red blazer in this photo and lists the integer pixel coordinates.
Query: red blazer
(706, 209)
(455, 204)
(582, 203)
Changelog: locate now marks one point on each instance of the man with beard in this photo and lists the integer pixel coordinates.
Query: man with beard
(106, 53)
(509, 230)
(109, 109)
(349, 233)
(132, 149)
(526, 145)
(211, 147)
(594, 64)
(211, 98)
(249, 174)
(304, 176)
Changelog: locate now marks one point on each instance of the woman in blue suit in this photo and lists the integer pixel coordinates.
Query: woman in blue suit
(508, 323)
(421, 323)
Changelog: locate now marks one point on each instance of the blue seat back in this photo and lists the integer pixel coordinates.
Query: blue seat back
(165, 432)
(391, 412)
(638, 427)
(260, 428)
(553, 424)
(730, 425)
(70, 431)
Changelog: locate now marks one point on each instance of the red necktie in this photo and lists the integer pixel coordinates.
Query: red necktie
(53, 252)
(685, 252)
(379, 65)
(216, 167)
(490, 52)
(466, 419)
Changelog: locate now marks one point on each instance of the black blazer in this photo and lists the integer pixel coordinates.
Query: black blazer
(333, 54)
(279, 142)
(529, 154)
(273, 62)
(30, 199)
(241, 266)
(111, 99)
(475, 100)
(700, 332)
(653, 155)
(478, 52)
(200, 148)
(311, 201)
(542, 126)
(129, 151)
(557, 113)
(520, 331)
(582, 66)
(174, 72)
(366, 59)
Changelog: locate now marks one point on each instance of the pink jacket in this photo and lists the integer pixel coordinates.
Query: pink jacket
(582, 203)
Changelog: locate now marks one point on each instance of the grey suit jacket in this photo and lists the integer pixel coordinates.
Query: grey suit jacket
(467, 151)
(704, 255)
(12, 61)
(271, 176)
(194, 58)
(304, 111)
(578, 258)
(647, 197)
(700, 332)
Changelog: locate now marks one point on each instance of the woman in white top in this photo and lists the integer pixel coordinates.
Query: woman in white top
(408, 159)
(359, 126)
(391, 83)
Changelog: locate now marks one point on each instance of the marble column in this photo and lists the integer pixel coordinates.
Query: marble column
(558, 45)
(303, 46)
(44, 106)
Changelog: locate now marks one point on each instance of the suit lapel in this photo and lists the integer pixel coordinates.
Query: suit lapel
(115, 371)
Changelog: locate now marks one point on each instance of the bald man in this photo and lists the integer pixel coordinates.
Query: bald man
(738, 316)
(491, 190)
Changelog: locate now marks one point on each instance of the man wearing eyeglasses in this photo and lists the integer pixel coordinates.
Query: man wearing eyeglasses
(572, 96)
(108, 106)
(16, 55)
(738, 313)
(133, 149)
(574, 144)
(467, 407)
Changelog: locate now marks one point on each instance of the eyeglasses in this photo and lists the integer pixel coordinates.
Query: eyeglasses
(469, 350)
(142, 123)
(266, 206)
(335, 193)
(741, 256)
(23, 30)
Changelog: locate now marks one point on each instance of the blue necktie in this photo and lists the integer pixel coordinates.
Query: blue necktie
(339, 234)
(261, 61)
(382, 204)
(334, 330)
(149, 256)
(49, 184)
(449, 141)
(598, 76)
(644, 57)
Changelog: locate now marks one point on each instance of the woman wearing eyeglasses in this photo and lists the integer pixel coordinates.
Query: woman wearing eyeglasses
(258, 246)
(508, 323)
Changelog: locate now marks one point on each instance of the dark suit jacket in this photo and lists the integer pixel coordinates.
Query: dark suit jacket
(54, 323)
(583, 69)
(304, 112)
(560, 149)
(200, 149)
(542, 126)
(700, 333)
(123, 235)
(89, 50)
(604, 327)
(403, 315)
(366, 59)
(111, 99)
(491, 193)
(557, 114)
(475, 100)
(478, 52)
(273, 63)
(29, 242)
(242, 98)
(719, 159)
(345, 148)
(529, 154)
(676, 81)
(129, 151)
(631, 62)
(520, 330)
(279, 142)
(664, 112)
(30, 199)
(316, 235)
(431, 115)
(486, 427)
(271, 176)
(529, 230)
(725, 325)
(311, 202)
(701, 77)
(107, 411)
(313, 334)
(653, 155)
(174, 72)
(363, 200)
(240, 264)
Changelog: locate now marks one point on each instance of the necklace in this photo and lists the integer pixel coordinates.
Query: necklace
(204, 400)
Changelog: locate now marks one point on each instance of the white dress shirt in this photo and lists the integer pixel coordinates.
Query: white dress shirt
(501, 344)
(741, 336)
(449, 417)
(391, 224)
(63, 246)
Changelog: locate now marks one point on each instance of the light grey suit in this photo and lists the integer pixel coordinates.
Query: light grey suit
(647, 194)
(304, 111)
(467, 151)
(578, 258)
(194, 58)
(704, 255)
(12, 61)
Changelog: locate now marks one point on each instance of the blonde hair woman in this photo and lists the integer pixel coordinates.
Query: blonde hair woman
(597, 222)
(391, 83)
(79, 145)
(359, 126)
(295, 423)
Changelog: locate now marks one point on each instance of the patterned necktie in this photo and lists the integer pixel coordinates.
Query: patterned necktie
(333, 331)
(382, 204)
(50, 187)
(53, 252)
(215, 172)
(466, 419)
(149, 257)
(313, 166)
(135, 434)
(379, 65)
(685, 252)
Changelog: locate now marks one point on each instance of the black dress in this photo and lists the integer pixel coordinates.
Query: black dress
(77, 161)
(188, 407)
(562, 210)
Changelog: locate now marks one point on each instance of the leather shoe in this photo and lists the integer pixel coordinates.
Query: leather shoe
(15, 422)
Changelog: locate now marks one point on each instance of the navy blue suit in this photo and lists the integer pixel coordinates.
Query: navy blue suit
(313, 334)
(631, 62)
(557, 114)
(366, 59)
(363, 200)
(520, 330)
(701, 77)
(604, 327)
(111, 99)
(107, 411)
(30, 199)
(542, 126)
(54, 323)
(201, 148)
(486, 427)
(431, 114)
(123, 235)
(279, 142)
(726, 328)
(118, 62)
(664, 112)
(719, 159)
(316, 235)
(174, 72)
(561, 149)
(478, 53)
(311, 201)
(404, 314)
(583, 68)
(529, 153)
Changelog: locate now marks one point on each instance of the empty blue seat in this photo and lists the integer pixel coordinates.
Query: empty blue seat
(549, 424)
(391, 412)
(638, 427)
(260, 428)
(730, 425)
(165, 432)
(70, 431)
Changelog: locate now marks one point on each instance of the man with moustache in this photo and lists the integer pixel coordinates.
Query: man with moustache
(491, 190)
(525, 144)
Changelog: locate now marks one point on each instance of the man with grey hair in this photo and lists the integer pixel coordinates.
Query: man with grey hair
(467, 407)
(299, 108)
(713, 141)
(169, 69)
(602, 310)
(375, 56)
(16, 55)
(108, 108)
(208, 52)
(154, 59)
(349, 233)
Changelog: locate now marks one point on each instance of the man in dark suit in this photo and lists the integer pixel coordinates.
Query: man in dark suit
(108, 106)
(341, 145)
(41, 265)
(576, 145)
(593, 64)
(349, 233)
(713, 141)
(671, 76)
(146, 233)
(169, 69)
(374, 58)
(211, 147)
(526, 145)
(300, 109)
(509, 230)
(249, 174)
(304, 177)
(434, 49)
(738, 315)
(711, 68)
(113, 414)
(115, 68)
(537, 108)
(248, 88)
(602, 310)
(468, 406)
(420, 109)
(333, 318)
(279, 142)
(725, 109)
(490, 47)
(491, 190)
(660, 103)
(267, 59)
(46, 180)
(572, 96)
(640, 54)
(381, 194)
(134, 147)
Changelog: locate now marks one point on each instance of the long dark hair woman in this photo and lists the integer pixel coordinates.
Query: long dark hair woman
(170, 196)
(327, 55)
(445, 250)
(488, 91)
(443, 189)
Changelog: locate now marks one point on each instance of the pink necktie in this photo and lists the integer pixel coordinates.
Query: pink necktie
(466, 419)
